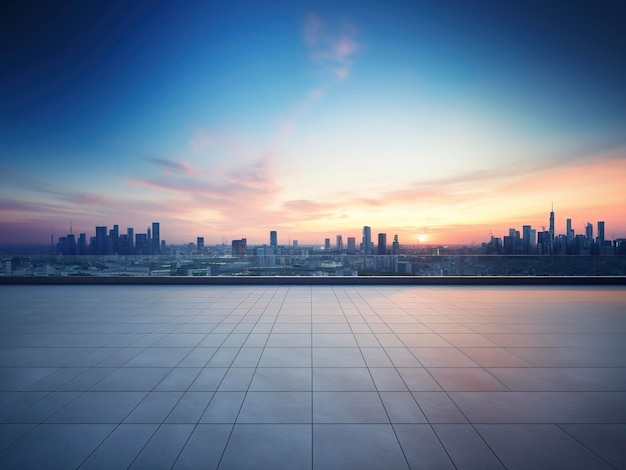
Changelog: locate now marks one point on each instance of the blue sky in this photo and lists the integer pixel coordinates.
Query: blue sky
(438, 121)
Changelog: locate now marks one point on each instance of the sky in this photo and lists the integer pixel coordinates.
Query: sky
(442, 122)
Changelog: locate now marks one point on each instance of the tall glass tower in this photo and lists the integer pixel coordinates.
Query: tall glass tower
(552, 223)
(156, 239)
(367, 240)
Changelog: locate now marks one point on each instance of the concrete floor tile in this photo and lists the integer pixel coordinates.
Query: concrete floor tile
(164, 447)
(363, 376)
(54, 446)
(294, 379)
(365, 446)
(607, 441)
(538, 446)
(276, 446)
(276, 407)
(465, 447)
(121, 447)
(348, 407)
(421, 446)
(204, 448)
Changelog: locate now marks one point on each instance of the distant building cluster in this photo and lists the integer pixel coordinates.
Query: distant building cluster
(521, 254)
(547, 242)
(366, 247)
(112, 242)
(529, 241)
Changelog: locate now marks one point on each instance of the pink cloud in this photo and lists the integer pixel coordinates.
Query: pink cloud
(248, 188)
(330, 49)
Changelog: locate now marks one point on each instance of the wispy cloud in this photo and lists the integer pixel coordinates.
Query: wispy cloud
(173, 166)
(247, 186)
(287, 126)
(332, 49)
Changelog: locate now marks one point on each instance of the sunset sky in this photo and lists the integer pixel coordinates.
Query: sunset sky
(436, 121)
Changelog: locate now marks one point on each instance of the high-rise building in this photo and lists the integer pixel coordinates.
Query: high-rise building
(552, 223)
(600, 238)
(82, 244)
(114, 235)
(569, 232)
(71, 244)
(273, 238)
(382, 244)
(327, 244)
(367, 240)
(101, 240)
(141, 244)
(395, 246)
(511, 242)
(200, 245)
(526, 239)
(339, 243)
(239, 247)
(123, 244)
(589, 232)
(351, 244)
(131, 240)
(156, 239)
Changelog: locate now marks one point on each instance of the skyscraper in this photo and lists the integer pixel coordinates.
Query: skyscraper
(141, 244)
(200, 245)
(382, 244)
(131, 240)
(114, 234)
(526, 238)
(367, 240)
(600, 238)
(552, 223)
(156, 240)
(273, 238)
(569, 232)
(327, 244)
(395, 246)
(101, 239)
(351, 244)
(82, 244)
(589, 232)
(339, 243)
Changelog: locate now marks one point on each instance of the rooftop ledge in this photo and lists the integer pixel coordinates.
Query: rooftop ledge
(322, 280)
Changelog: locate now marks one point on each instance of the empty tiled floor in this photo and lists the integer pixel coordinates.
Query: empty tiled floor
(312, 377)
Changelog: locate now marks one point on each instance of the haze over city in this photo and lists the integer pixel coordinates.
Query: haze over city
(437, 122)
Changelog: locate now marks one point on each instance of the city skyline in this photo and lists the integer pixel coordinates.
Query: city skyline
(547, 241)
(440, 123)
